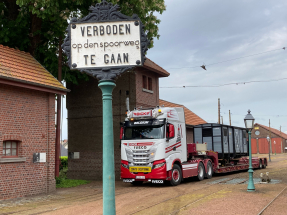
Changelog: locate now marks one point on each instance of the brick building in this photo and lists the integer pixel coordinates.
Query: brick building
(191, 119)
(84, 105)
(27, 125)
(259, 140)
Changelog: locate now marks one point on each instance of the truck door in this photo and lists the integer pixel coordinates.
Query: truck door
(174, 136)
(170, 138)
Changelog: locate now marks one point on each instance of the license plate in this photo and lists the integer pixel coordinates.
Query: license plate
(128, 180)
(140, 177)
(140, 169)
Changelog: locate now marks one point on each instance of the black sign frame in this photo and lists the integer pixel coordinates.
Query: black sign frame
(106, 12)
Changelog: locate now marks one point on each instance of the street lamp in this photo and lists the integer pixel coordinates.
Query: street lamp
(249, 124)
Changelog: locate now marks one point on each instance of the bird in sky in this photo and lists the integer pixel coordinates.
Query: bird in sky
(203, 67)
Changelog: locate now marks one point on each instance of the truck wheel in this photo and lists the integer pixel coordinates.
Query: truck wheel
(264, 165)
(176, 175)
(200, 169)
(137, 183)
(209, 170)
(260, 164)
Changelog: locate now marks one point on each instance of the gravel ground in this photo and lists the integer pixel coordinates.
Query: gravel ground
(223, 194)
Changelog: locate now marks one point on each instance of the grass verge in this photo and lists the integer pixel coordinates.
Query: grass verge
(65, 183)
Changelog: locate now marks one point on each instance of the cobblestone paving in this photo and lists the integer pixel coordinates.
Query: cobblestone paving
(209, 196)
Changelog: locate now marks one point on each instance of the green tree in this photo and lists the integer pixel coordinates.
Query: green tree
(38, 26)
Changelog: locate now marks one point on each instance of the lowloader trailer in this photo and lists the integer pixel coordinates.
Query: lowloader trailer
(154, 149)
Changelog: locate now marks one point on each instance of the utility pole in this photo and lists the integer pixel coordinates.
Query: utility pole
(270, 146)
(218, 111)
(229, 118)
(222, 120)
(282, 150)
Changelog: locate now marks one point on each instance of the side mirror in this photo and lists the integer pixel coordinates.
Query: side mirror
(122, 133)
(171, 130)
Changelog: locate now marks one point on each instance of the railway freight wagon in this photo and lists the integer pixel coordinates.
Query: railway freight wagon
(229, 141)
(154, 148)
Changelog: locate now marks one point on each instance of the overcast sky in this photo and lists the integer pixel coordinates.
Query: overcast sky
(206, 32)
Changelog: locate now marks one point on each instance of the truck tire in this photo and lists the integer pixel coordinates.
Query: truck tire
(209, 170)
(200, 170)
(176, 175)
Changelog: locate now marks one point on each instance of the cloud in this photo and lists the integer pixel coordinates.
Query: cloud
(197, 32)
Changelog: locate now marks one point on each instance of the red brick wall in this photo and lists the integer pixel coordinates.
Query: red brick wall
(28, 116)
(85, 125)
(146, 99)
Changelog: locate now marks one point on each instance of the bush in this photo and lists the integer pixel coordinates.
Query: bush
(62, 181)
(64, 162)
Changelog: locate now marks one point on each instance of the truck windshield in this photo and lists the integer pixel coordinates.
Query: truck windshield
(150, 132)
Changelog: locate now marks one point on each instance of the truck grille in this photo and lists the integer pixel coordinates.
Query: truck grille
(141, 158)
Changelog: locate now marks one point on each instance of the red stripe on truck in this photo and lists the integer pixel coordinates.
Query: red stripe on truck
(141, 144)
(172, 148)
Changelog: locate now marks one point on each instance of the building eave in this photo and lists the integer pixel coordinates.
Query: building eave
(32, 85)
(156, 71)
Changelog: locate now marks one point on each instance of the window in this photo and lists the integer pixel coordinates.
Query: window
(144, 132)
(10, 149)
(144, 82)
(149, 83)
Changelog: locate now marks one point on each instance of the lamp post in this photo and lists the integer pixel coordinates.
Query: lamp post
(268, 139)
(249, 124)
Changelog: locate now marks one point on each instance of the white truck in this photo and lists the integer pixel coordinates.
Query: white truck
(154, 148)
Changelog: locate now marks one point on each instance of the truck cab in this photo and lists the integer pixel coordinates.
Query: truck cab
(153, 142)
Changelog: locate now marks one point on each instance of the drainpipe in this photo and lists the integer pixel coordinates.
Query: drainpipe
(58, 130)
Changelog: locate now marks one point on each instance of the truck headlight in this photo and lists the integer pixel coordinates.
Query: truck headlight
(129, 155)
(152, 154)
(158, 165)
(125, 166)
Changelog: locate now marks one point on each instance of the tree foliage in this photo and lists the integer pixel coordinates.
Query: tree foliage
(38, 26)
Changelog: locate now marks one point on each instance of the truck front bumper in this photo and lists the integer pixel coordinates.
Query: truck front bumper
(155, 174)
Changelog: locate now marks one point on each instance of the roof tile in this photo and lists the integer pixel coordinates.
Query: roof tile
(156, 68)
(20, 65)
(190, 117)
(273, 130)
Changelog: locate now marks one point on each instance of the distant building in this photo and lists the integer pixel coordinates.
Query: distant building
(27, 125)
(259, 141)
(64, 147)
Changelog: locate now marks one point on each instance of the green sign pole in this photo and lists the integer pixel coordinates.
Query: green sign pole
(109, 206)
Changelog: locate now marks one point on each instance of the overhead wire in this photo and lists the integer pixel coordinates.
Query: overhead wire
(228, 60)
(222, 85)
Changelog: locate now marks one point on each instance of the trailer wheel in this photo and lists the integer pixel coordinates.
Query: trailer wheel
(200, 175)
(260, 164)
(209, 170)
(176, 175)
